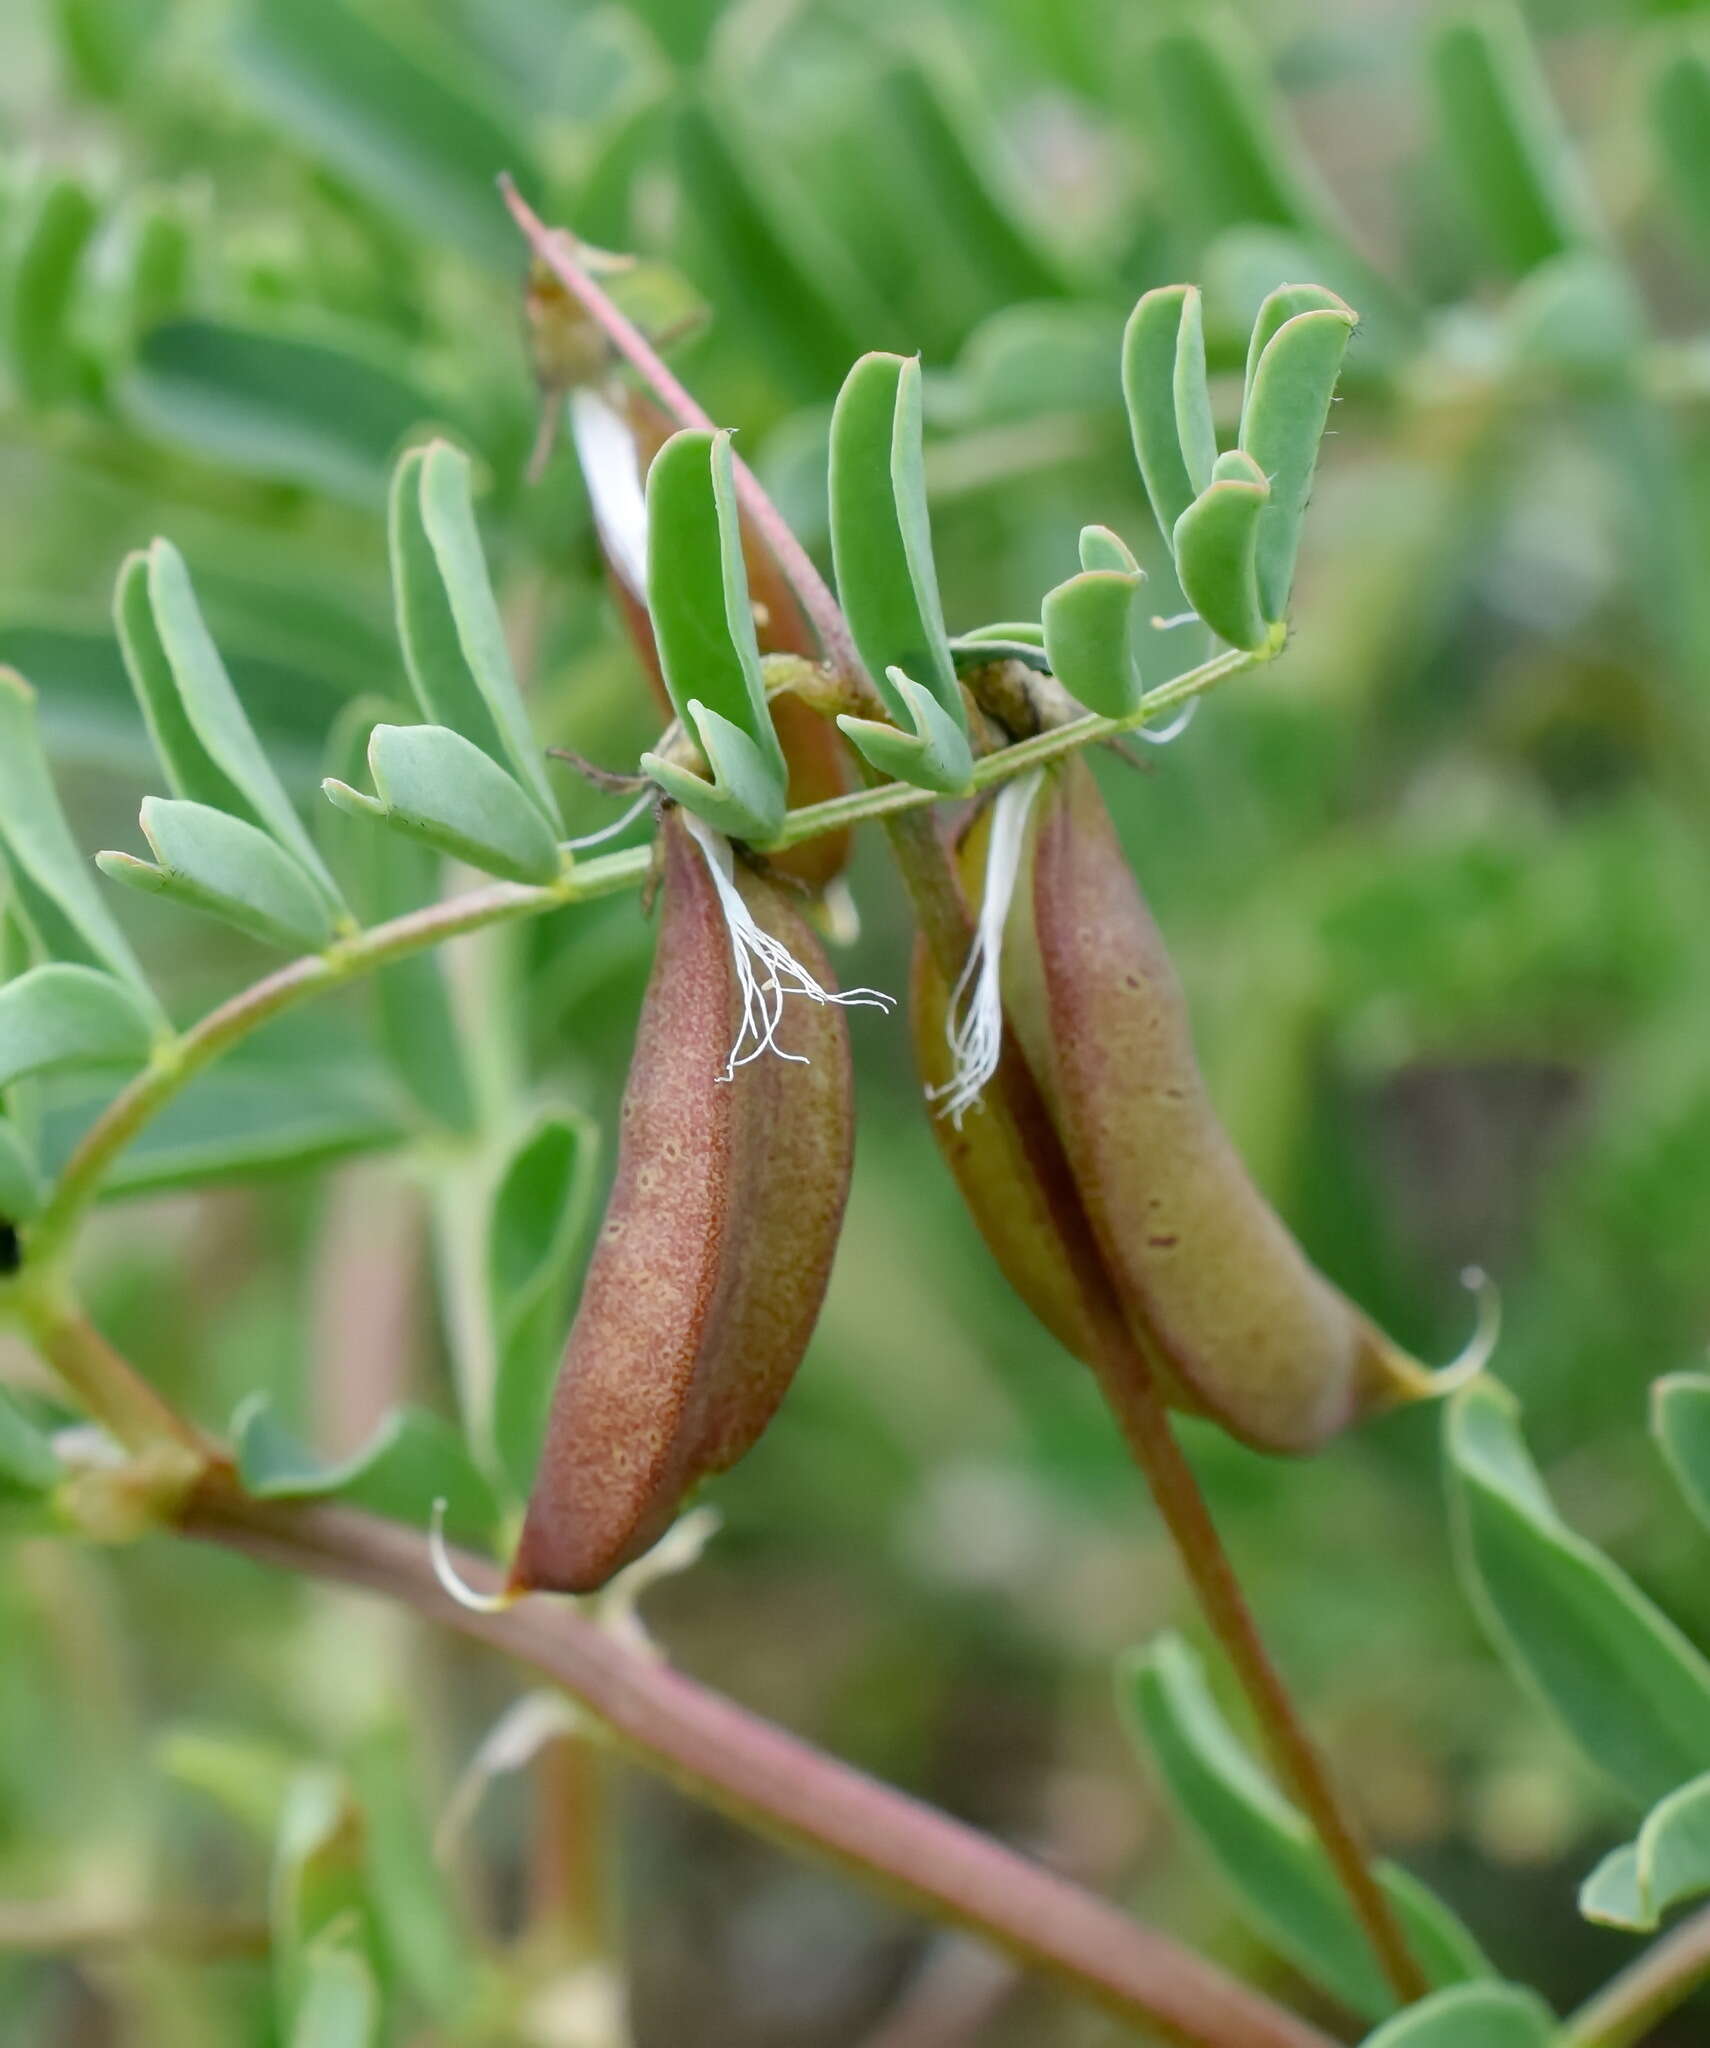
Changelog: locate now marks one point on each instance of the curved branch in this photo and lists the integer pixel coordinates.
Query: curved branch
(770, 1781)
(184, 1058)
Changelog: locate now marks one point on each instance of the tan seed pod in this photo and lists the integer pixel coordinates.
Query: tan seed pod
(716, 1248)
(1219, 1298)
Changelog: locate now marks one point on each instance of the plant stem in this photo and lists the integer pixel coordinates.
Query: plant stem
(1135, 1397)
(772, 1782)
(1129, 1383)
(1664, 1977)
(187, 1056)
(107, 1385)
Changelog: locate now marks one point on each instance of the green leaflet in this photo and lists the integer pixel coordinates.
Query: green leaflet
(447, 510)
(59, 221)
(537, 1229)
(216, 863)
(304, 409)
(805, 301)
(881, 544)
(1629, 1686)
(935, 754)
(1680, 1421)
(1292, 368)
(1680, 119)
(204, 739)
(338, 2000)
(1092, 627)
(159, 260)
(413, 1460)
(1575, 317)
(1216, 543)
(1509, 153)
(1169, 407)
(318, 1894)
(703, 627)
(413, 130)
(423, 1940)
(1053, 356)
(385, 875)
(1669, 1863)
(439, 788)
(59, 895)
(1265, 1850)
(59, 1017)
(427, 629)
(1471, 2016)
(20, 1182)
(1223, 157)
(961, 182)
(881, 536)
(255, 1115)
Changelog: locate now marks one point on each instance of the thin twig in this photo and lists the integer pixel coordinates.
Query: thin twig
(185, 1057)
(782, 1787)
(1661, 1980)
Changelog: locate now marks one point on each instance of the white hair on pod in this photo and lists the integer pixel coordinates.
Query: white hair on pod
(973, 1023)
(766, 970)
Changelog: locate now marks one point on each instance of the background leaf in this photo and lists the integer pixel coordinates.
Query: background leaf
(1631, 1689)
(1266, 1851)
(59, 894)
(538, 1224)
(61, 1016)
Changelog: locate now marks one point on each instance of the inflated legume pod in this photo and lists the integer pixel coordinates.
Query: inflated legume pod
(716, 1248)
(1222, 1302)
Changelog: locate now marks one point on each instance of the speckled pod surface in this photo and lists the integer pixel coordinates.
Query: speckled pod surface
(716, 1248)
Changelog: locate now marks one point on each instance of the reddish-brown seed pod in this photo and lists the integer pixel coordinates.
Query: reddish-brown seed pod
(716, 1248)
(1218, 1296)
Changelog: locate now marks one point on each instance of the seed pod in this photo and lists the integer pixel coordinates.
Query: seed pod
(716, 1249)
(1218, 1296)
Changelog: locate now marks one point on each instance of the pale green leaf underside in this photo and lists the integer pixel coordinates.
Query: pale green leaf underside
(61, 1016)
(1628, 1685)
(1265, 1849)
(1471, 2016)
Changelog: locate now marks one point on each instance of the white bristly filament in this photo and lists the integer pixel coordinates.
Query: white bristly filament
(1161, 735)
(766, 970)
(611, 463)
(973, 1024)
(647, 799)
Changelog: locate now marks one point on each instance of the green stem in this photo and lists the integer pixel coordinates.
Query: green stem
(1661, 1980)
(106, 1384)
(183, 1058)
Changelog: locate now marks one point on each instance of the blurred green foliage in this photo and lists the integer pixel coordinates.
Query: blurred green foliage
(1437, 881)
